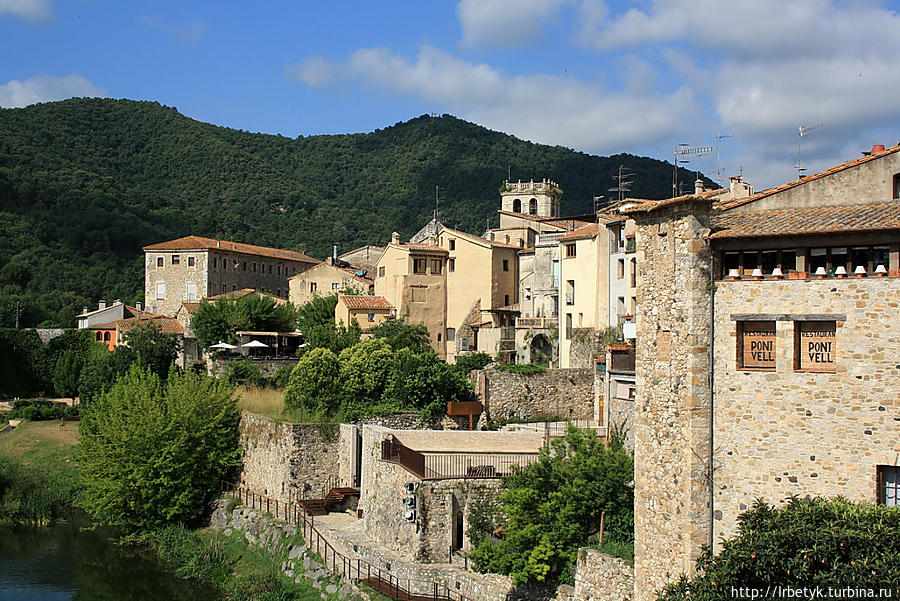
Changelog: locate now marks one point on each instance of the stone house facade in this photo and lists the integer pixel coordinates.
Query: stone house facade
(766, 355)
(329, 277)
(193, 267)
(366, 311)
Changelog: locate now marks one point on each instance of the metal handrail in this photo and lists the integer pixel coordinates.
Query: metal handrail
(295, 514)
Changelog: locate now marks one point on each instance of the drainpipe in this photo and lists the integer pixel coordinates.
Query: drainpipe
(711, 372)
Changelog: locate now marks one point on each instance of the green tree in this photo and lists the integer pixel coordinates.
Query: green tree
(424, 382)
(151, 451)
(810, 543)
(243, 372)
(146, 344)
(67, 373)
(219, 320)
(335, 338)
(550, 508)
(398, 334)
(317, 312)
(315, 383)
(466, 363)
(364, 370)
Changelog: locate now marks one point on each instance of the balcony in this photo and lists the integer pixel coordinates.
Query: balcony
(443, 466)
(550, 323)
(622, 358)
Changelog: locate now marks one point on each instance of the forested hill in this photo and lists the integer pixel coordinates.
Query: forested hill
(85, 183)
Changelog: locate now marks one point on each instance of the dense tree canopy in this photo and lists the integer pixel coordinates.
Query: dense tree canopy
(85, 183)
(218, 320)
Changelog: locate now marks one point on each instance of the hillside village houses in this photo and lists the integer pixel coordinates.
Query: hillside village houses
(754, 354)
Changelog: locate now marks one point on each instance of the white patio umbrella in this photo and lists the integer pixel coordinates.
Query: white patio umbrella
(255, 344)
(223, 345)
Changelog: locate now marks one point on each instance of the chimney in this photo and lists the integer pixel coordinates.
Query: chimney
(139, 306)
(877, 148)
(101, 304)
(83, 310)
(698, 186)
(118, 301)
(395, 238)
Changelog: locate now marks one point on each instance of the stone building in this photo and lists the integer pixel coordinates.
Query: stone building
(193, 267)
(333, 276)
(537, 327)
(366, 311)
(766, 355)
(413, 279)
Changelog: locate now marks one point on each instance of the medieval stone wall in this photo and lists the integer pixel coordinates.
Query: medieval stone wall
(784, 432)
(553, 392)
(268, 367)
(601, 577)
(672, 405)
(286, 461)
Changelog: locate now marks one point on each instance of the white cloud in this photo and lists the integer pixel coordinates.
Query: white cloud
(509, 23)
(315, 71)
(542, 108)
(46, 88)
(35, 11)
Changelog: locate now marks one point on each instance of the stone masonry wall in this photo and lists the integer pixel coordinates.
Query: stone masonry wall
(601, 577)
(786, 432)
(553, 392)
(286, 461)
(269, 367)
(672, 406)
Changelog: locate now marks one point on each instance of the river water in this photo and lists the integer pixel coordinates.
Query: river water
(65, 562)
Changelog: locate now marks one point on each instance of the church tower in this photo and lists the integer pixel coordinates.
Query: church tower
(540, 199)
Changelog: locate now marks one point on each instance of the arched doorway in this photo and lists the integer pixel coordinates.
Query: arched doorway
(517, 206)
(541, 349)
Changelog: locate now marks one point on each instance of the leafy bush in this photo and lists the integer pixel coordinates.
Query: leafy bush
(152, 451)
(32, 495)
(41, 410)
(805, 543)
(218, 320)
(23, 365)
(315, 384)
(551, 508)
(243, 372)
(466, 363)
(281, 377)
(398, 334)
(525, 369)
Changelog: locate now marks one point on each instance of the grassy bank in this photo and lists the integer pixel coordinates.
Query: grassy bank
(239, 570)
(37, 472)
(270, 402)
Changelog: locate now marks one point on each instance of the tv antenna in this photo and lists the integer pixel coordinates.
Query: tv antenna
(623, 182)
(598, 203)
(682, 154)
(802, 132)
(720, 170)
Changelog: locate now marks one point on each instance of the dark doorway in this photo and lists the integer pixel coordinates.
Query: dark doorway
(458, 538)
(357, 475)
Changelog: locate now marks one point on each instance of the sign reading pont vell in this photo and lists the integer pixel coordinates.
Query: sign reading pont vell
(816, 344)
(758, 345)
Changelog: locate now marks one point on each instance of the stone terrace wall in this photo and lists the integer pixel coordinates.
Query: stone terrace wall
(286, 461)
(601, 577)
(553, 392)
(269, 367)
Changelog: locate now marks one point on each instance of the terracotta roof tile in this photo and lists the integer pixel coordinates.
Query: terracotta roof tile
(424, 247)
(365, 302)
(168, 325)
(807, 221)
(480, 239)
(201, 243)
(588, 231)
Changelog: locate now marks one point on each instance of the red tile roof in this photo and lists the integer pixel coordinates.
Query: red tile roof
(424, 247)
(367, 279)
(793, 184)
(588, 231)
(200, 243)
(246, 292)
(808, 221)
(168, 325)
(365, 302)
(480, 239)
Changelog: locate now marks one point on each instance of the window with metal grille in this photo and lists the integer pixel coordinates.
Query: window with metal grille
(889, 485)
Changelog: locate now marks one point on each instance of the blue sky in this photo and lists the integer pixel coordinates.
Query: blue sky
(598, 76)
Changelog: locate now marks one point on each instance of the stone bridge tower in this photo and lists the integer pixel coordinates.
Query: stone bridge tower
(672, 409)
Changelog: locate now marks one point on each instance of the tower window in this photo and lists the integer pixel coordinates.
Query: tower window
(517, 206)
(505, 264)
(532, 206)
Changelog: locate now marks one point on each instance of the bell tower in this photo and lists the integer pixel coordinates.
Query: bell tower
(539, 199)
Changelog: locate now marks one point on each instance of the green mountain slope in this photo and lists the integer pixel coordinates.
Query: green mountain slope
(85, 183)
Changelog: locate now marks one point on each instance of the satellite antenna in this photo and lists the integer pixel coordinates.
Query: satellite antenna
(682, 152)
(720, 170)
(802, 132)
(623, 181)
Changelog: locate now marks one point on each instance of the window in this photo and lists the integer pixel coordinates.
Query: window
(161, 291)
(814, 346)
(105, 336)
(439, 337)
(245, 265)
(224, 288)
(517, 206)
(190, 261)
(505, 300)
(451, 334)
(633, 283)
(176, 259)
(452, 244)
(419, 294)
(279, 269)
(570, 292)
(620, 269)
(254, 267)
(371, 317)
(99, 337)
(381, 272)
(888, 477)
(160, 262)
(620, 306)
(420, 265)
(436, 265)
(506, 238)
(570, 250)
(335, 286)
(270, 269)
(556, 274)
(521, 243)
(897, 185)
(191, 291)
(505, 264)
(568, 326)
(451, 265)
(312, 287)
(532, 206)
(215, 262)
(756, 345)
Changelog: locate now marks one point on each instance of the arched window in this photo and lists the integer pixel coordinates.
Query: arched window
(517, 206)
(532, 206)
(99, 337)
(105, 336)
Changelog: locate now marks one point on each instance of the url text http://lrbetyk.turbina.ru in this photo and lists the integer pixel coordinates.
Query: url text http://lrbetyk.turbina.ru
(778, 591)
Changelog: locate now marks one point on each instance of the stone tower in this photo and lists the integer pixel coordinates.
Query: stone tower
(540, 199)
(672, 410)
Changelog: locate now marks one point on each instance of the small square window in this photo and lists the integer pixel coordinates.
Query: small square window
(420, 265)
(381, 272)
(452, 244)
(160, 262)
(176, 260)
(335, 285)
(436, 266)
(371, 317)
(312, 286)
(570, 250)
(815, 346)
(756, 345)
(190, 261)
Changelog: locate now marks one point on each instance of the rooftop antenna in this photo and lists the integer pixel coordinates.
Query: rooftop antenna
(623, 182)
(598, 203)
(802, 132)
(682, 151)
(437, 201)
(719, 170)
